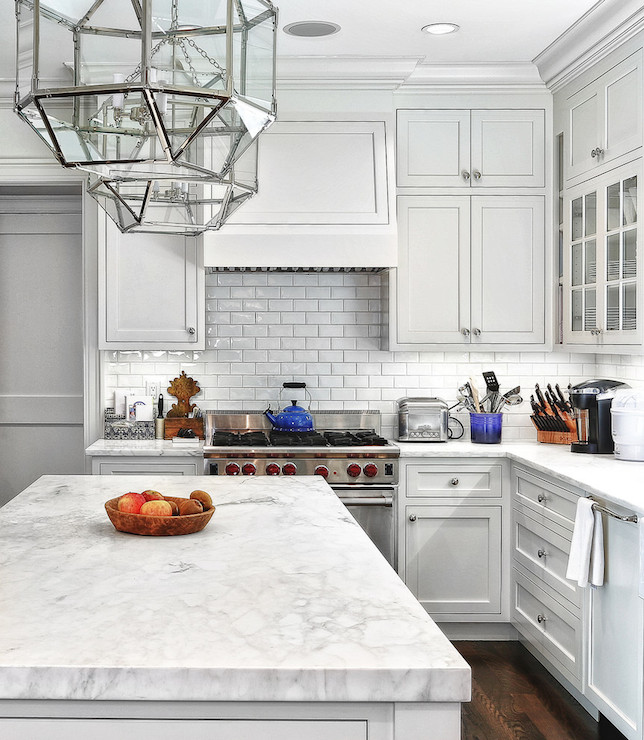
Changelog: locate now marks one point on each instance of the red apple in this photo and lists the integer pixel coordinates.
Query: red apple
(131, 503)
(152, 495)
(156, 507)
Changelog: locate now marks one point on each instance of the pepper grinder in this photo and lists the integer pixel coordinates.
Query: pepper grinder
(159, 425)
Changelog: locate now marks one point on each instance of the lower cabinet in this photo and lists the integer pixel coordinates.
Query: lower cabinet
(452, 534)
(147, 466)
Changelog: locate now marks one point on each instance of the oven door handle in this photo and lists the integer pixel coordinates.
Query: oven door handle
(383, 499)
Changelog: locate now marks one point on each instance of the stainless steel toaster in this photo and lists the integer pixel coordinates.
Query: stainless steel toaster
(422, 420)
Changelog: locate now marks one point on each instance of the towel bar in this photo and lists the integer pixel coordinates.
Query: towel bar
(603, 509)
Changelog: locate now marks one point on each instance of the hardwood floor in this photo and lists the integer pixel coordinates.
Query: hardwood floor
(515, 698)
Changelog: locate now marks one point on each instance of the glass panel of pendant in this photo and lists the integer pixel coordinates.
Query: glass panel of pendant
(584, 263)
(621, 255)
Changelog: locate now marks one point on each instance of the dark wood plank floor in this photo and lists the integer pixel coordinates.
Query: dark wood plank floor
(515, 698)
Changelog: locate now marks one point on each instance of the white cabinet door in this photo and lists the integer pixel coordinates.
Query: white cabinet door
(478, 148)
(433, 289)
(615, 633)
(471, 270)
(605, 118)
(508, 281)
(151, 291)
(508, 148)
(453, 559)
(433, 148)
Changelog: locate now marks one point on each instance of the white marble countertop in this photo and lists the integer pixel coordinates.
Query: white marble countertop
(282, 597)
(144, 447)
(617, 481)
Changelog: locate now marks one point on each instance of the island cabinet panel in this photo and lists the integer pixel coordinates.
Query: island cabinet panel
(615, 632)
(151, 291)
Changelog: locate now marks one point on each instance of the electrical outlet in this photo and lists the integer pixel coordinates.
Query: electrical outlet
(152, 388)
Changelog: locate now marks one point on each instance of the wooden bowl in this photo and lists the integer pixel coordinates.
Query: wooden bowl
(157, 525)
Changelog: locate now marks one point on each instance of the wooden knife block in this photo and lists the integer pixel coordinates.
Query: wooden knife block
(174, 424)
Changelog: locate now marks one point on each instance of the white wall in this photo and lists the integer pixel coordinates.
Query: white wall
(323, 328)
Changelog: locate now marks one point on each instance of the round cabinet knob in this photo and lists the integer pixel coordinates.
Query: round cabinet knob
(454, 482)
(596, 152)
(191, 330)
(465, 332)
(476, 174)
(321, 470)
(354, 470)
(465, 175)
(371, 470)
(272, 469)
(412, 517)
(232, 469)
(540, 618)
(541, 553)
(289, 469)
(541, 498)
(476, 332)
(249, 469)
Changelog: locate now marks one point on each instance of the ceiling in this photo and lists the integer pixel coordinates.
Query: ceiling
(495, 31)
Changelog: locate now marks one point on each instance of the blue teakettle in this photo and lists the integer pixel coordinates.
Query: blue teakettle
(292, 418)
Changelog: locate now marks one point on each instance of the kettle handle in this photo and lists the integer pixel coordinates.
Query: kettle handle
(294, 384)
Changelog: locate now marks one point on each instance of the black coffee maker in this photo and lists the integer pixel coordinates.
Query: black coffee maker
(591, 402)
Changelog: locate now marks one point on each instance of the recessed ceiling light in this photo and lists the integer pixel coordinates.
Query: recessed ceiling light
(439, 29)
(311, 29)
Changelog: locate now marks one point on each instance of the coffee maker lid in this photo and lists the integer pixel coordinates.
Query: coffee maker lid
(603, 388)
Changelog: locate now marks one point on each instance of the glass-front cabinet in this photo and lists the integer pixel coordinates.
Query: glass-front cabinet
(601, 294)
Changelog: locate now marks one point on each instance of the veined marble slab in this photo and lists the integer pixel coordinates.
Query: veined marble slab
(617, 481)
(282, 597)
(144, 448)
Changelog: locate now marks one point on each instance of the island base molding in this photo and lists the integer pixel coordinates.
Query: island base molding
(113, 720)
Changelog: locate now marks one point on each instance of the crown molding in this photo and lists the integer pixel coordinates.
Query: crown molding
(482, 75)
(604, 28)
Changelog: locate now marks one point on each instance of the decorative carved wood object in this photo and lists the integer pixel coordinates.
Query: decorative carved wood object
(183, 388)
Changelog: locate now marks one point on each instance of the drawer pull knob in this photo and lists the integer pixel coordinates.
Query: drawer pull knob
(454, 481)
(540, 618)
(541, 498)
(541, 553)
(412, 517)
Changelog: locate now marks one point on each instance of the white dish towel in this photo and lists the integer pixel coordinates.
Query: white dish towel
(586, 560)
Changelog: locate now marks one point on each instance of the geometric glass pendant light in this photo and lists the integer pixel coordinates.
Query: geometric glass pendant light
(160, 101)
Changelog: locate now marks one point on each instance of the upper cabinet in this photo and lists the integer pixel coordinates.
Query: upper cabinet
(324, 200)
(604, 120)
(476, 148)
(151, 291)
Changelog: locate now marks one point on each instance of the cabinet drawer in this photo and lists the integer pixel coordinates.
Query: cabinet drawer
(551, 628)
(549, 502)
(544, 553)
(454, 481)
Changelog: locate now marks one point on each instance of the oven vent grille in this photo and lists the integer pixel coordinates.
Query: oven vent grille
(363, 270)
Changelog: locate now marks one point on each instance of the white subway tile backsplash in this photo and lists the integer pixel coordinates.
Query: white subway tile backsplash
(324, 329)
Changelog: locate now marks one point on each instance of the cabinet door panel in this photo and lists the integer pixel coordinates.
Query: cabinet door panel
(616, 628)
(508, 269)
(151, 291)
(433, 147)
(433, 279)
(453, 558)
(585, 133)
(508, 148)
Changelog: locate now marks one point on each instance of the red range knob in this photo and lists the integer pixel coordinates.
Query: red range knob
(354, 470)
(232, 469)
(289, 469)
(322, 470)
(272, 469)
(371, 470)
(249, 469)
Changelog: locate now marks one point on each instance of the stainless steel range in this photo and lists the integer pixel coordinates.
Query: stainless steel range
(346, 449)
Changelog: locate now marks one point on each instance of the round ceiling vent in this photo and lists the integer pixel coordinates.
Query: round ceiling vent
(311, 29)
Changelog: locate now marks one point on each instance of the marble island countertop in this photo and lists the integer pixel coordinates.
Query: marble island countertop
(282, 597)
(604, 476)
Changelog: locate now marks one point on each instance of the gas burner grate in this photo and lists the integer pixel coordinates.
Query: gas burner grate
(235, 439)
(297, 439)
(354, 439)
